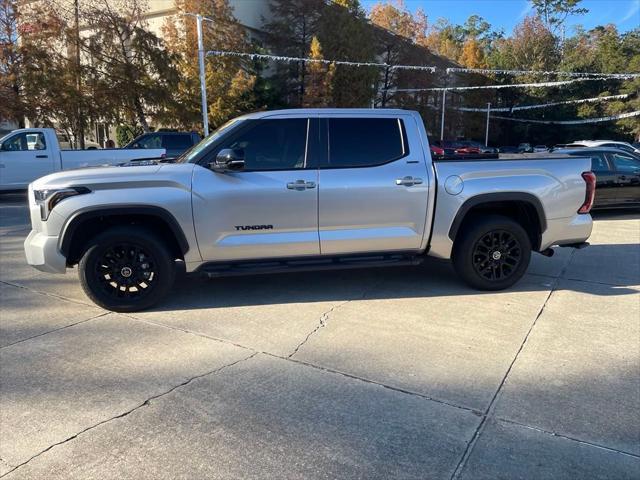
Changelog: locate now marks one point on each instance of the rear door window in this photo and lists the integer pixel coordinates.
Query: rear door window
(365, 142)
(625, 163)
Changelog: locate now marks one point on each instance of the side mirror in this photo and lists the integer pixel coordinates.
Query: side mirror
(228, 160)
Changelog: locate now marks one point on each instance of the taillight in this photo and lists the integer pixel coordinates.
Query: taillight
(590, 180)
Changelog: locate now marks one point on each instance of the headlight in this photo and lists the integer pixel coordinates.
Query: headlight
(47, 199)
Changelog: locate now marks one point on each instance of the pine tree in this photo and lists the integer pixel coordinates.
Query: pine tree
(318, 80)
(345, 35)
(472, 54)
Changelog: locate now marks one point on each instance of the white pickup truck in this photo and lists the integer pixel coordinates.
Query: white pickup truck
(31, 153)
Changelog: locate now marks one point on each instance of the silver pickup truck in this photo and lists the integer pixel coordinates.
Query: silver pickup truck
(304, 190)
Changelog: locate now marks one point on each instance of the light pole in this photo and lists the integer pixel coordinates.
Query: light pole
(444, 99)
(486, 135)
(203, 84)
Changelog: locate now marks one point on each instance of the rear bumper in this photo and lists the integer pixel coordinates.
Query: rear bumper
(567, 231)
(42, 253)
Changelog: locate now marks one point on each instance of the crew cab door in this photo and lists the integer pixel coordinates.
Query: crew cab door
(24, 157)
(373, 185)
(627, 173)
(270, 208)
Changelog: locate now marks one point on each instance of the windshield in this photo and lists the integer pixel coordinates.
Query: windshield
(193, 152)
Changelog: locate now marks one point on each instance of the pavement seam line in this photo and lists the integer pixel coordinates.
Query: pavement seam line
(191, 332)
(48, 294)
(324, 317)
(128, 412)
(57, 329)
(567, 437)
(373, 382)
(474, 439)
(306, 364)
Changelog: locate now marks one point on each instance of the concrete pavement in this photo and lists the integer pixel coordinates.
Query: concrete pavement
(395, 373)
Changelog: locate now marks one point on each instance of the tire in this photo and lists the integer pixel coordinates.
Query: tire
(491, 252)
(126, 269)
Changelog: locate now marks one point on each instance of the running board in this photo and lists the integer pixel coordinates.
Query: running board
(307, 264)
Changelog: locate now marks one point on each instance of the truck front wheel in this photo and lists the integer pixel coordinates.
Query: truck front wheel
(126, 269)
(491, 252)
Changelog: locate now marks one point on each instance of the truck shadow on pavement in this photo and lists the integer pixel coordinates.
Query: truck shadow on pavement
(434, 278)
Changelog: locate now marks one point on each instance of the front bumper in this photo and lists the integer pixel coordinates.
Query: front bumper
(42, 253)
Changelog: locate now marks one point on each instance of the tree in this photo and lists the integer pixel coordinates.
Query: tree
(48, 74)
(345, 35)
(318, 80)
(396, 18)
(230, 81)
(531, 47)
(555, 12)
(11, 107)
(135, 72)
(472, 54)
(294, 24)
(400, 47)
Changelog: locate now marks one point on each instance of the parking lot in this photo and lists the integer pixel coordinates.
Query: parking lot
(388, 373)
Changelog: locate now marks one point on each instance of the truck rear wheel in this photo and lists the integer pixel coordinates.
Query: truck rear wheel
(126, 269)
(491, 252)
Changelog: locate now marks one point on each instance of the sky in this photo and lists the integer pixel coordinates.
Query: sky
(625, 14)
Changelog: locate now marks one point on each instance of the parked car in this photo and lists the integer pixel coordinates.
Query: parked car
(175, 143)
(509, 149)
(436, 150)
(263, 195)
(525, 148)
(446, 146)
(479, 147)
(626, 146)
(540, 149)
(617, 176)
(30, 153)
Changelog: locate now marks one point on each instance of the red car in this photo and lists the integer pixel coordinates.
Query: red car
(436, 150)
(467, 150)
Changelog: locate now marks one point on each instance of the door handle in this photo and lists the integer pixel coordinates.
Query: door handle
(408, 181)
(41, 156)
(300, 185)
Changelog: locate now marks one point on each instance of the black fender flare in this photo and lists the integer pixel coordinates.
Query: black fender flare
(498, 197)
(79, 217)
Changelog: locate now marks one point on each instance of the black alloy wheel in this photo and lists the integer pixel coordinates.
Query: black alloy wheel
(491, 252)
(497, 255)
(126, 269)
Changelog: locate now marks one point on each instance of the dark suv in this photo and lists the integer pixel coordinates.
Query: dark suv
(175, 143)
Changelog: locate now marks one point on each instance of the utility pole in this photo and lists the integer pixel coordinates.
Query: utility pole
(203, 84)
(80, 129)
(444, 100)
(486, 135)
